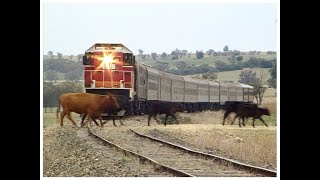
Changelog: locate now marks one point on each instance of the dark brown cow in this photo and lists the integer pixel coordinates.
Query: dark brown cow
(234, 107)
(93, 105)
(167, 108)
(246, 111)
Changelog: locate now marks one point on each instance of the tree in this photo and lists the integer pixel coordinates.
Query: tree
(235, 52)
(199, 54)
(79, 57)
(161, 66)
(59, 55)
(50, 54)
(210, 52)
(232, 59)
(72, 75)
(226, 48)
(210, 76)
(220, 65)
(154, 56)
(174, 55)
(184, 53)
(248, 77)
(140, 54)
(164, 55)
(189, 55)
(273, 73)
(259, 88)
(239, 58)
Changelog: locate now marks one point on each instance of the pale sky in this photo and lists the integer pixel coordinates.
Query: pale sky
(71, 28)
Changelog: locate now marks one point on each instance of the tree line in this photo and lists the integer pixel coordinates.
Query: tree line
(182, 68)
(52, 91)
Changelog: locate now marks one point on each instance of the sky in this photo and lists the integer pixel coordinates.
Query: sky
(72, 28)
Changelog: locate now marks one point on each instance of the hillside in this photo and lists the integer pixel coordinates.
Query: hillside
(206, 60)
(66, 69)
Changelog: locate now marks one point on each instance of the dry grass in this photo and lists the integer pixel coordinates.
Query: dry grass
(255, 145)
(49, 119)
(271, 104)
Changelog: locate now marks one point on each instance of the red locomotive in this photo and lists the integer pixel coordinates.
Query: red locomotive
(109, 68)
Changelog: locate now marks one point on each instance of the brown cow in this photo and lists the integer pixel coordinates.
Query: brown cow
(123, 103)
(93, 105)
(167, 108)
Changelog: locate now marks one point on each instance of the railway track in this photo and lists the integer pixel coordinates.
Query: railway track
(173, 158)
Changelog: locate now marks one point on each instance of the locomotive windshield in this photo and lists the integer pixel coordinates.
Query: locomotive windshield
(128, 59)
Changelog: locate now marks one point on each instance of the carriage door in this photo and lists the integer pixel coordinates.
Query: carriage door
(127, 80)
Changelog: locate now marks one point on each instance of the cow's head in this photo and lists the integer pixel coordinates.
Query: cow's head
(265, 111)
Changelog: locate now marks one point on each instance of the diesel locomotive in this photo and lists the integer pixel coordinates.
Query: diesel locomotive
(112, 68)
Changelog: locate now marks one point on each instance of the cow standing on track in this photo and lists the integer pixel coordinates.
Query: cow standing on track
(124, 104)
(92, 105)
(167, 108)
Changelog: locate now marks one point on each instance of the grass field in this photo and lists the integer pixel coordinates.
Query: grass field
(234, 75)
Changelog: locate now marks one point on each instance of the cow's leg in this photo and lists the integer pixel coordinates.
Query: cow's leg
(165, 120)
(254, 119)
(155, 117)
(113, 119)
(240, 120)
(100, 119)
(62, 114)
(70, 118)
(243, 123)
(94, 120)
(226, 114)
(150, 115)
(83, 117)
(237, 116)
(243, 120)
(263, 121)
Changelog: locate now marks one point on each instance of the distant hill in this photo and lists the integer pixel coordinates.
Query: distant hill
(206, 60)
(70, 67)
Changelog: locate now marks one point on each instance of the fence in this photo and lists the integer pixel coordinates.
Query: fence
(50, 109)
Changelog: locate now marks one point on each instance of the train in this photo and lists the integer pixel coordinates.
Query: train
(113, 68)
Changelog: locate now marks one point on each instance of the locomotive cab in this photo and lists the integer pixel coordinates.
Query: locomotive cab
(108, 68)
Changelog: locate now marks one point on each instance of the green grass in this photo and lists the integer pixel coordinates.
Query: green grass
(234, 75)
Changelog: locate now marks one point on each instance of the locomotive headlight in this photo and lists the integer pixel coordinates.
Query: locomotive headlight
(107, 59)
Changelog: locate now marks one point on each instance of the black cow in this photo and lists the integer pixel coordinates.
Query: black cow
(246, 111)
(233, 107)
(167, 108)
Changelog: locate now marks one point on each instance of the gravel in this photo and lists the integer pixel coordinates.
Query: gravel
(69, 152)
